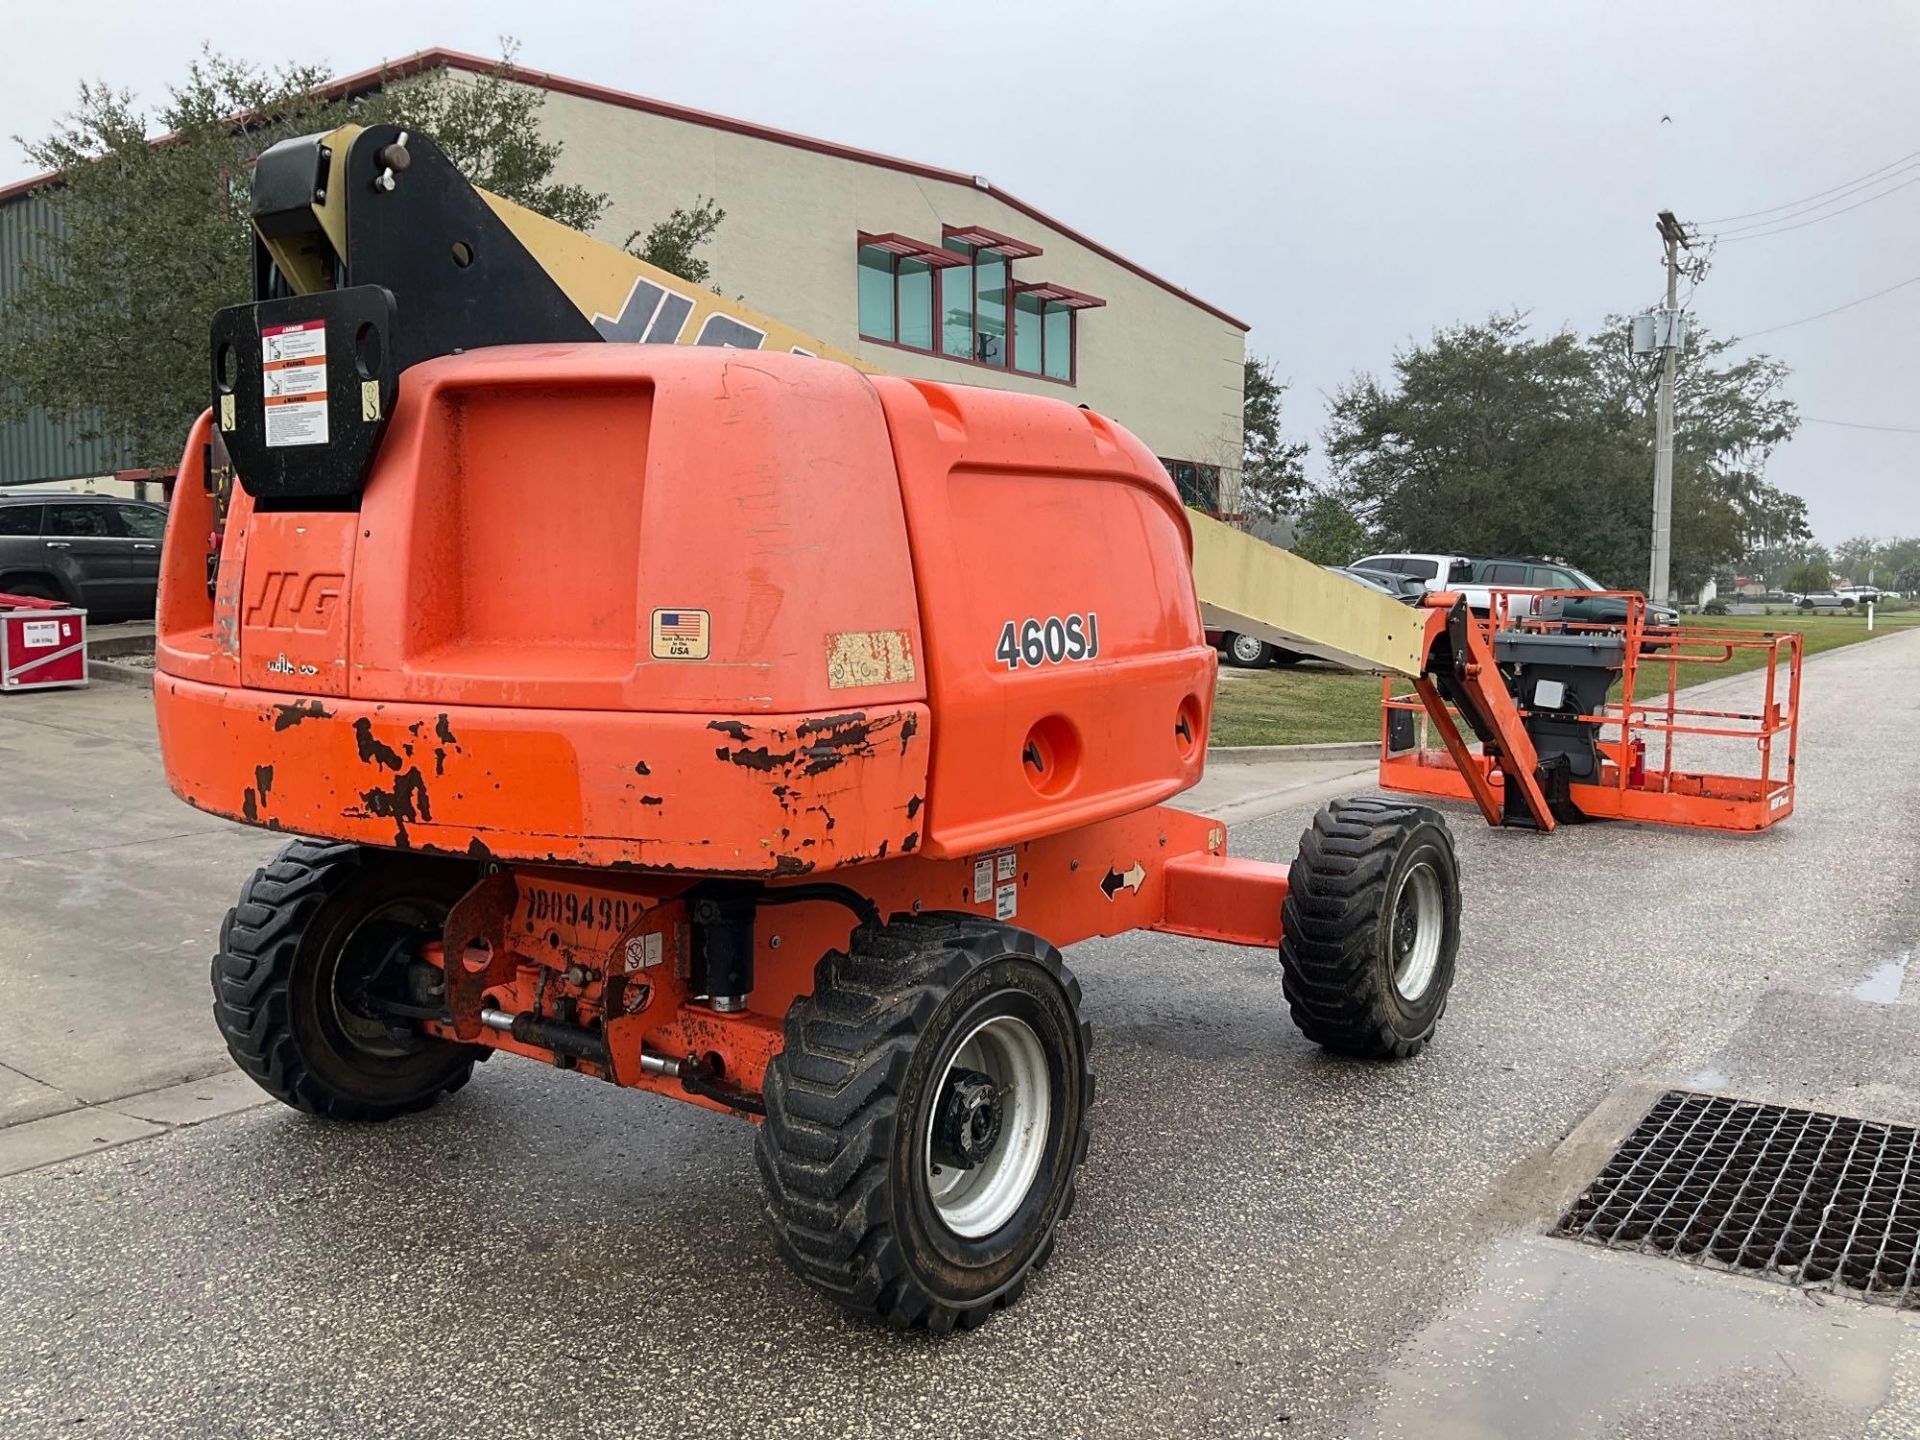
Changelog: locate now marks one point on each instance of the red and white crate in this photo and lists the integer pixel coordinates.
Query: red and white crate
(43, 644)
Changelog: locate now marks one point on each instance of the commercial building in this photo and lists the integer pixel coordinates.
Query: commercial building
(917, 270)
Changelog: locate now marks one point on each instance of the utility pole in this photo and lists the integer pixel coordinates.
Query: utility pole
(1668, 336)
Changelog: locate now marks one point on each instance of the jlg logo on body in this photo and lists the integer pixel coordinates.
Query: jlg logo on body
(289, 600)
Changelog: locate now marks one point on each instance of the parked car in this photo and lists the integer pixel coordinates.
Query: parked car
(1520, 574)
(1435, 572)
(98, 552)
(1405, 588)
(1826, 600)
(1250, 652)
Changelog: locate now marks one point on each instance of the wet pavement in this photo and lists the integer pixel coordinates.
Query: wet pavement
(1269, 1241)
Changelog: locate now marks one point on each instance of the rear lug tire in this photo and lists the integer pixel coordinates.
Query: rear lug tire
(296, 954)
(926, 1120)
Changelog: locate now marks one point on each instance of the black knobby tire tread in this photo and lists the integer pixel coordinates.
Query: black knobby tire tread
(823, 1150)
(259, 940)
(1330, 920)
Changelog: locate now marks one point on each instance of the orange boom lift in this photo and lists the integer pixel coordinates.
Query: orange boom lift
(717, 720)
(1591, 743)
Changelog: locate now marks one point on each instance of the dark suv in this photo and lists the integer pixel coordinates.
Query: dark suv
(99, 552)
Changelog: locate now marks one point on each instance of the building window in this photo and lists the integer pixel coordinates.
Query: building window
(1199, 485)
(1056, 338)
(989, 308)
(956, 309)
(1028, 326)
(915, 298)
(1043, 336)
(897, 288)
(963, 300)
(876, 293)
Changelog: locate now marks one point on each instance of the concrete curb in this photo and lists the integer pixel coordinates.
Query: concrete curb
(87, 1126)
(1325, 750)
(113, 674)
(112, 647)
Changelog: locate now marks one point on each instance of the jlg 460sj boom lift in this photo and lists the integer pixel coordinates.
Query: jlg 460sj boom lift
(718, 722)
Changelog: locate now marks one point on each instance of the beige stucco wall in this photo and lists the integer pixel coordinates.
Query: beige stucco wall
(1161, 365)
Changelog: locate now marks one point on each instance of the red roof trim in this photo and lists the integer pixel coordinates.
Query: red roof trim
(907, 248)
(981, 238)
(454, 59)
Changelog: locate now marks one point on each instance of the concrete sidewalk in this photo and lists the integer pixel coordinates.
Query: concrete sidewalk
(107, 883)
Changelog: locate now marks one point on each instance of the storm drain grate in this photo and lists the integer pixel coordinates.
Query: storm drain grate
(1815, 1200)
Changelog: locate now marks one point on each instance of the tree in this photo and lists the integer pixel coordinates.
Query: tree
(1729, 416)
(1328, 533)
(1898, 556)
(1809, 575)
(108, 326)
(1771, 564)
(1272, 479)
(670, 243)
(1856, 556)
(1494, 440)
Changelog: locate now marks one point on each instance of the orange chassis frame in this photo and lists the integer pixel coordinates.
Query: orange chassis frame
(1640, 779)
(614, 943)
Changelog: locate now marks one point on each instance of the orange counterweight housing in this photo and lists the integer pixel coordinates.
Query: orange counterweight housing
(680, 609)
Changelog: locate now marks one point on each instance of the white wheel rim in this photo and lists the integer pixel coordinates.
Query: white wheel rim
(974, 1203)
(1413, 932)
(1246, 649)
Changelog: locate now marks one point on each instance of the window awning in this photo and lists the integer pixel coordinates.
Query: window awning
(1052, 294)
(982, 238)
(908, 248)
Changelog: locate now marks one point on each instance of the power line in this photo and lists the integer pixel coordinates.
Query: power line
(1761, 234)
(1795, 204)
(1815, 210)
(1859, 425)
(1821, 315)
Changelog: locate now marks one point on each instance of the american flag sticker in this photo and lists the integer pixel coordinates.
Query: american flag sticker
(682, 634)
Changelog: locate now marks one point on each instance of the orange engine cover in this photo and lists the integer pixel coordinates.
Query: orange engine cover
(692, 609)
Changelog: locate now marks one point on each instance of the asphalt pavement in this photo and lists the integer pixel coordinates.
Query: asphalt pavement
(1269, 1241)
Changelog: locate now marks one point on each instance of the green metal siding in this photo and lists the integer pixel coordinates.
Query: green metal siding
(39, 447)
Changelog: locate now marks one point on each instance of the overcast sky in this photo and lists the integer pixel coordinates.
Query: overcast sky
(1345, 176)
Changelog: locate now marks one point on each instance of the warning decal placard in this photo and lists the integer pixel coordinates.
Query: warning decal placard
(293, 365)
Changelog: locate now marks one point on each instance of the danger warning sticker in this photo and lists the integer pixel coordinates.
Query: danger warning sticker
(293, 366)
